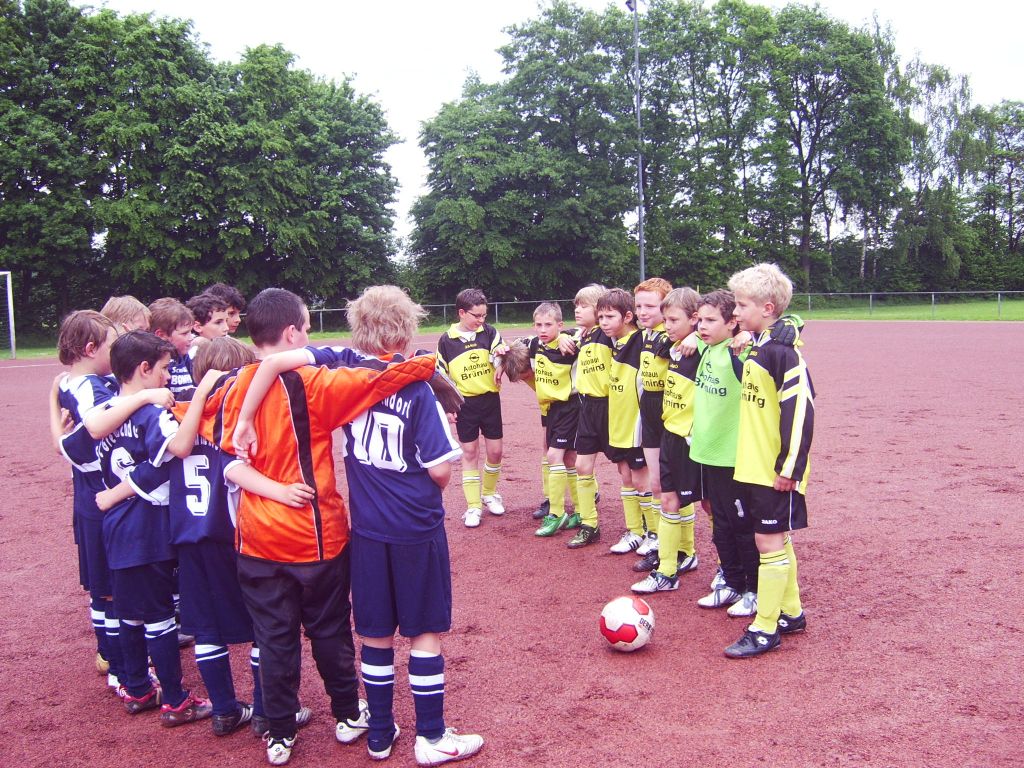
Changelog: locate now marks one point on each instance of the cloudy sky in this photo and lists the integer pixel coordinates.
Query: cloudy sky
(413, 56)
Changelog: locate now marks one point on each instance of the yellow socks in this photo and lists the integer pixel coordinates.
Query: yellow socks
(687, 516)
(471, 488)
(574, 483)
(545, 469)
(791, 598)
(669, 531)
(491, 474)
(772, 577)
(631, 509)
(586, 504)
(557, 482)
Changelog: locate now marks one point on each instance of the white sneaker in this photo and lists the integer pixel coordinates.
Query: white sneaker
(686, 563)
(472, 517)
(279, 751)
(656, 582)
(650, 544)
(745, 606)
(628, 543)
(451, 746)
(719, 598)
(384, 752)
(719, 580)
(494, 504)
(347, 731)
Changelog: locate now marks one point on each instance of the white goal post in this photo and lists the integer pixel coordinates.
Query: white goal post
(9, 298)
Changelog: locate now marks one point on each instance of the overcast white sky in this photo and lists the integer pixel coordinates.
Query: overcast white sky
(413, 56)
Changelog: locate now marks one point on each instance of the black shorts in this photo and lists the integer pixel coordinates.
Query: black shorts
(479, 414)
(679, 472)
(651, 425)
(407, 587)
(562, 420)
(144, 592)
(633, 456)
(212, 607)
(592, 428)
(773, 511)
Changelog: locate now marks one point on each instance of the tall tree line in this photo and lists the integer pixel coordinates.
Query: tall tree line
(781, 135)
(133, 163)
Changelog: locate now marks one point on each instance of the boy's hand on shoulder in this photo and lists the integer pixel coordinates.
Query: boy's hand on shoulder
(786, 330)
(162, 397)
(206, 384)
(740, 341)
(566, 344)
(784, 484)
(688, 346)
(66, 422)
(55, 387)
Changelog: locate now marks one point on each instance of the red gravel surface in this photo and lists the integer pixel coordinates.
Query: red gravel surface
(911, 574)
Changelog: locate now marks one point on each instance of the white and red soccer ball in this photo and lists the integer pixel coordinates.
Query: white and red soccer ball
(627, 623)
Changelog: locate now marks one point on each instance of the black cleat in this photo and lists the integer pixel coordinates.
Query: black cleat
(791, 625)
(648, 562)
(753, 643)
(542, 511)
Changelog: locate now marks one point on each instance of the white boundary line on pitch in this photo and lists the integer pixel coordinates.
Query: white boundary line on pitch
(32, 365)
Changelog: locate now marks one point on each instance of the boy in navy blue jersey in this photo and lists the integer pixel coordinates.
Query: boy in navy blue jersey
(136, 533)
(173, 322)
(84, 345)
(397, 461)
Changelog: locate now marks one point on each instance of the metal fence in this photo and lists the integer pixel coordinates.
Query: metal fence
(935, 305)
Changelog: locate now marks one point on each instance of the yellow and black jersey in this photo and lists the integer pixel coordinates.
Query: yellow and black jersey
(553, 371)
(680, 392)
(624, 393)
(594, 363)
(776, 415)
(468, 358)
(654, 360)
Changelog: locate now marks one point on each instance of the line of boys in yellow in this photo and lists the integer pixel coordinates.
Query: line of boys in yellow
(730, 426)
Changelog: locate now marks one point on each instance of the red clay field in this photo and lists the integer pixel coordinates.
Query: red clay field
(911, 574)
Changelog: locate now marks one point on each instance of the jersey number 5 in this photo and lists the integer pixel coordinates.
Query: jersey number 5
(196, 469)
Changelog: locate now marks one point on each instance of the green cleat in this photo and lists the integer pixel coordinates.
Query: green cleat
(584, 536)
(571, 521)
(549, 526)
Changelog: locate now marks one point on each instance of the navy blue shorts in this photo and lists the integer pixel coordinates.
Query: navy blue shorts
(678, 471)
(93, 569)
(592, 430)
(773, 511)
(479, 414)
(212, 607)
(143, 592)
(651, 425)
(407, 587)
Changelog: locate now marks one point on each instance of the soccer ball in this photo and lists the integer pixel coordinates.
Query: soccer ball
(627, 623)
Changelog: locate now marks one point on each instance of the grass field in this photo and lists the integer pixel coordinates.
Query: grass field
(977, 310)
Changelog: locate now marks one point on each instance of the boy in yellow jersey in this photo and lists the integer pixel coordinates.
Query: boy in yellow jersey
(593, 370)
(680, 476)
(772, 455)
(552, 377)
(470, 353)
(647, 297)
(616, 314)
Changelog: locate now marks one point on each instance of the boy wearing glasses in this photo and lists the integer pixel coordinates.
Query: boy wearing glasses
(470, 353)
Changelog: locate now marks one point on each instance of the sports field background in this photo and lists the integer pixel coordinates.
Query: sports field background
(912, 575)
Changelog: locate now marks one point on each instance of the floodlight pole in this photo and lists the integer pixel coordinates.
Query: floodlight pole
(10, 316)
(633, 6)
